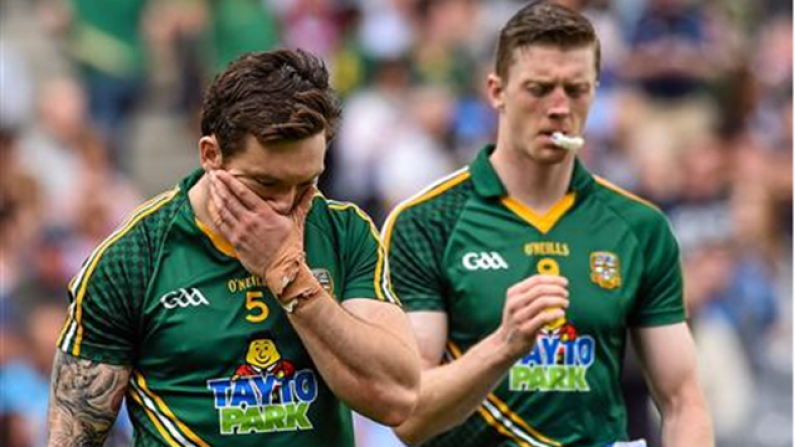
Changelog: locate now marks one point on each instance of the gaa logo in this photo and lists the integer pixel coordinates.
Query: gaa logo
(183, 298)
(483, 261)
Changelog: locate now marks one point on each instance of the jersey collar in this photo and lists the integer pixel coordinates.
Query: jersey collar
(221, 245)
(488, 184)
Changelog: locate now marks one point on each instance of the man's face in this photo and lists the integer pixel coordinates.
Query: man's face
(279, 172)
(548, 89)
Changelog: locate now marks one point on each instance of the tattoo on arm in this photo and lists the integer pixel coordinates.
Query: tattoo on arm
(85, 397)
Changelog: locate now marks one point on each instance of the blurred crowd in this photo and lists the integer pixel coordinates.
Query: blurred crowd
(693, 112)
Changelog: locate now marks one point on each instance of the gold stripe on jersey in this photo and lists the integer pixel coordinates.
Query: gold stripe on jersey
(69, 316)
(500, 429)
(67, 324)
(171, 442)
(423, 196)
(80, 282)
(217, 240)
(498, 411)
(503, 407)
(612, 186)
(541, 223)
(141, 382)
(383, 290)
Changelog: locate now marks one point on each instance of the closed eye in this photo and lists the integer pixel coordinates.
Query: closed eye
(539, 90)
(576, 90)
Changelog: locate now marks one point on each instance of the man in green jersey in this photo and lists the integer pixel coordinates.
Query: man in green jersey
(522, 273)
(242, 308)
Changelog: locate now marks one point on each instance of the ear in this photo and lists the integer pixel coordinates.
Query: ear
(496, 92)
(210, 155)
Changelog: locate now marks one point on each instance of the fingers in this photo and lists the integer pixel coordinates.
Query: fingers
(537, 280)
(304, 204)
(544, 305)
(228, 205)
(236, 188)
(533, 325)
(519, 300)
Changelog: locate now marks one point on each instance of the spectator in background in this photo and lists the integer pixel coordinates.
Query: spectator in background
(108, 48)
(440, 54)
(372, 116)
(52, 151)
(670, 59)
(420, 140)
(15, 83)
(14, 429)
(196, 39)
(20, 214)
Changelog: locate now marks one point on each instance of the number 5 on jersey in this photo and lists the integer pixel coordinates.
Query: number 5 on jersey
(255, 303)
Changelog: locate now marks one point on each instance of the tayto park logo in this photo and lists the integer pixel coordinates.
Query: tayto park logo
(483, 261)
(559, 362)
(265, 394)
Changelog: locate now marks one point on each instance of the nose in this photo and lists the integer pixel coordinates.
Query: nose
(559, 106)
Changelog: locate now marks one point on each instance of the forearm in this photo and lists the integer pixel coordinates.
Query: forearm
(686, 423)
(369, 367)
(84, 400)
(451, 393)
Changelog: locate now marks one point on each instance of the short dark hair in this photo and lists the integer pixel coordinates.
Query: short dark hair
(274, 95)
(544, 23)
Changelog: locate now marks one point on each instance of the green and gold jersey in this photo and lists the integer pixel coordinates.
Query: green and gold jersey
(460, 244)
(215, 361)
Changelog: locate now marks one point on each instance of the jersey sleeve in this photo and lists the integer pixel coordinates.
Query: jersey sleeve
(415, 269)
(661, 294)
(364, 258)
(102, 311)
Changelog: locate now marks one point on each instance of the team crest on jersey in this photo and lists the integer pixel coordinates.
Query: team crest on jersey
(324, 278)
(605, 270)
(265, 393)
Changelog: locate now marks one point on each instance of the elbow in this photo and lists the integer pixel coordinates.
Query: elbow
(688, 399)
(394, 404)
(408, 435)
(400, 405)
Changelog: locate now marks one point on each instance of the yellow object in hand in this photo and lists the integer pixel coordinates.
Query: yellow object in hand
(549, 266)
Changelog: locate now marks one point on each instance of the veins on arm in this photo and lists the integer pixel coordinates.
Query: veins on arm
(85, 397)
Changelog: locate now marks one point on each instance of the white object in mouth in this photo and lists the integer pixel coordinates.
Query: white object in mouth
(566, 142)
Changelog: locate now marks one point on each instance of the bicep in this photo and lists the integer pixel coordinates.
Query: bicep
(667, 355)
(85, 397)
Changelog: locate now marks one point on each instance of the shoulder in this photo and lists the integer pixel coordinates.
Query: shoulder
(336, 215)
(142, 231)
(643, 217)
(441, 203)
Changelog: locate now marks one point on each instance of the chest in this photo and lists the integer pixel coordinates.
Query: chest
(205, 313)
(492, 250)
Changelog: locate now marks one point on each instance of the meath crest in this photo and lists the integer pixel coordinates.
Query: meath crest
(605, 270)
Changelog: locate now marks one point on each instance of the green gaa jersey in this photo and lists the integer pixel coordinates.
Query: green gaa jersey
(215, 361)
(460, 244)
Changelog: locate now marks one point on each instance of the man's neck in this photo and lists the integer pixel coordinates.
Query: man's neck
(539, 186)
(199, 196)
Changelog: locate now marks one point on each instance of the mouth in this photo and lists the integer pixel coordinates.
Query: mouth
(551, 131)
(571, 143)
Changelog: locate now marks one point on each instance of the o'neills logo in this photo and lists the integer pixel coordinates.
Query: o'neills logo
(265, 394)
